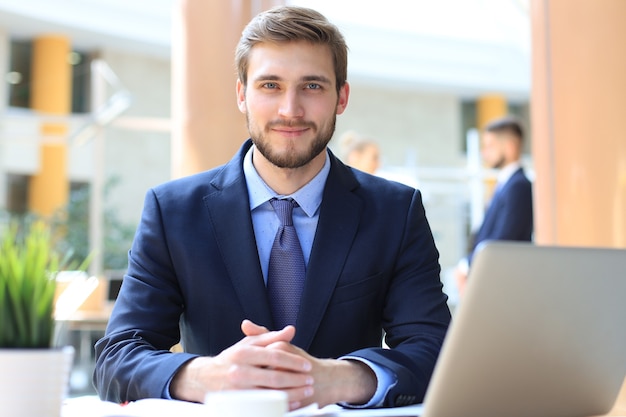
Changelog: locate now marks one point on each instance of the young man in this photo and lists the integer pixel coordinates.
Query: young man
(510, 212)
(202, 266)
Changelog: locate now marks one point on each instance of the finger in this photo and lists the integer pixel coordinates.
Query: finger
(248, 377)
(299, 385)
(299, 397)
(252, 329)
(267, 338)
(305, 362)
(249, 328)
(288, 347)
(262, 357)
(285, 347)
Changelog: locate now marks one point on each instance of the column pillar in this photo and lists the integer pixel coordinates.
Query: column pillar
(490, 107)
(207, 127)
(51, 95)
(579, 151)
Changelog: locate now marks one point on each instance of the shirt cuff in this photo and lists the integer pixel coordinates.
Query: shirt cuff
(166, 391)
(385, 380)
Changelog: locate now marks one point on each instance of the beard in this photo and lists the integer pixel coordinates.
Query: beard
(292, 158)
(499, 163)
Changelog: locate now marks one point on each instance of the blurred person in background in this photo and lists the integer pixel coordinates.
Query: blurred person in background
(360, 152)
(509, 215)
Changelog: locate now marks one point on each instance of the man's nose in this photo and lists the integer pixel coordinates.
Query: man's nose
(291, 105)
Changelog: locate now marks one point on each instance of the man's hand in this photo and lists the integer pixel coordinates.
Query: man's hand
(335, 380)
(248, 364)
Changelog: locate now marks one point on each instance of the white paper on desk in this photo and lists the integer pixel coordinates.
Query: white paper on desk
(92, 406)
(150, 407)
(157, 407)
(406, 411)
(336, 411)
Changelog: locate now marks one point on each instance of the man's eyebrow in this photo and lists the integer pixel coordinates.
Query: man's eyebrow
(319, 78)
(267, 77)
(306, 78)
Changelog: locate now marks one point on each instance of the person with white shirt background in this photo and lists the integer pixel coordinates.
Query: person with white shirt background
(509, 215)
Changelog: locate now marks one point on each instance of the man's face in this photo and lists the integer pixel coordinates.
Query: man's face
(291, 101)
(493, 150)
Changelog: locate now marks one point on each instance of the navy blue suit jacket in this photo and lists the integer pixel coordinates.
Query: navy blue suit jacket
(510, 213)
(194, 273)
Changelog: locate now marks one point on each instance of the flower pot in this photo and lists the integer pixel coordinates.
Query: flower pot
(34, 382)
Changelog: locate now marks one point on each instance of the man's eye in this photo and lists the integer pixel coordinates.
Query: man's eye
(313, 86)
(271, 86)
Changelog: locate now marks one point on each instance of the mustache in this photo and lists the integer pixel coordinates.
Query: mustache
(291, 124)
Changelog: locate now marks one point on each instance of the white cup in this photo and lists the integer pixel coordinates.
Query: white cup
(246, 403)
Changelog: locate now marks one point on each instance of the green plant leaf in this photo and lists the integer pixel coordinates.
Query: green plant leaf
(28, 264)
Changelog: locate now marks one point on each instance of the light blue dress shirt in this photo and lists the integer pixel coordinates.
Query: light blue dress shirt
(264, 219)
(266, 223)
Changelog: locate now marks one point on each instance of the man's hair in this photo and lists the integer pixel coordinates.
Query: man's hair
(507, 124)
(289, 24)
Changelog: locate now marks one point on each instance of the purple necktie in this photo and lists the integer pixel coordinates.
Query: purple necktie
(285, 277)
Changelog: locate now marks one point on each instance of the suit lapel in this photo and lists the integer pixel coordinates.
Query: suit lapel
(491, 213)
(232, 223)
(502, 189)
(340, 215)
(339, 218)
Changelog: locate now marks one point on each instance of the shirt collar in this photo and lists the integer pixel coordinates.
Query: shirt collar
(308, 197)
(507, 172)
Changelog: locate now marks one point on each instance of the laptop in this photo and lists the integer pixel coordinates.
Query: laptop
(541, 331)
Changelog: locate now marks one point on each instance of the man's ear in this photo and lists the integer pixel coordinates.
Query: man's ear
(342, 100)
(241, 96)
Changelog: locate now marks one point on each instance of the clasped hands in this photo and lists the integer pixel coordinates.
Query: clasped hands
(266, 359)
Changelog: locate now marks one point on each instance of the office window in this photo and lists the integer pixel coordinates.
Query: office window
(17, 194)
(81, 81)
(19, 76)
(468, 121)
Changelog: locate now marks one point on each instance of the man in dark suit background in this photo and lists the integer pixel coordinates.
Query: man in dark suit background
(509, 215)
(199, 267)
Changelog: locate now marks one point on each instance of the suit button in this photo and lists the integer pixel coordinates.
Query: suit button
(401, 400)
(404, 399)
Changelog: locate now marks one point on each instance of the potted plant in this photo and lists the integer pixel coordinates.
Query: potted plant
(34, 374)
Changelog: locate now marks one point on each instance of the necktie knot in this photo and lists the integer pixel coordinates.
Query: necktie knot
(284, 210)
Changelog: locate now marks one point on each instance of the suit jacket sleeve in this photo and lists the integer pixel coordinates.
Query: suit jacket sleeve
(132, 360)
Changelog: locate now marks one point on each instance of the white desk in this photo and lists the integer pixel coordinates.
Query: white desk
(91, 406)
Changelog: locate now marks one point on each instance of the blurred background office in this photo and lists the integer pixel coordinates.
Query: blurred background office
(102, 99)
(107, 98)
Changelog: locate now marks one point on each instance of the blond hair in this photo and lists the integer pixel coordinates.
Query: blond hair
(352, 141)
(289, 24)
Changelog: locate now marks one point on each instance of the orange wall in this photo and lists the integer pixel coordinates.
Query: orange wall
(207, 127)
(578, 107)
(48, 190)
(490, 107)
